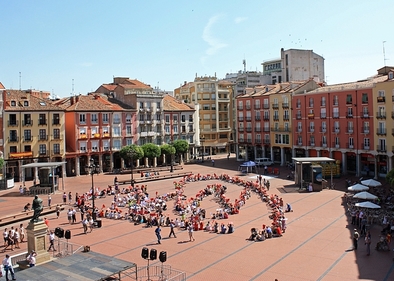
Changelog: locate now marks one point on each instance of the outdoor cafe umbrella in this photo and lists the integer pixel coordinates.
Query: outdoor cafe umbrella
(371, 182)
(367, 204)
(365, 195)
(358, 187)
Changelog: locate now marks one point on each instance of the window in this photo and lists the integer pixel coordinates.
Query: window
(310, 102)
(158, 105)
(42, 134)
(128, 118)
(183, 118)
(167, 117)
(349, 99)
(82, 118)
(116, 119)
(365, 98)
(141, 105)
(13, 103)
(349, 112)
(298, 104)
(128, 130)
(158, 116)
(116, 131)
(27, 148)
(27, 120)
(56, 133)
(42, 119)
(323, 101)
(175, 128)
(56, 119)
(335, 101)
(117, 144)
(27, 135)
(351, 142)
(167, 129)
(105, 118)
(366, 143)
(93, 117)
(56, 148)
(206, 107)
(42, 149)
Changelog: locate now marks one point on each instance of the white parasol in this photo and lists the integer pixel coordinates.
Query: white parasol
(358, 187)
(365, 195)
(367, 204)
(371, 182)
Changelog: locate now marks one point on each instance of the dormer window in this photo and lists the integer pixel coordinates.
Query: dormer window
(13, 103)
(391, 75)
(25, 103)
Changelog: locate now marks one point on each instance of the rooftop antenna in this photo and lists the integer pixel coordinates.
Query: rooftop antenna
(384, 54)
(244, 63)
(72, 89)
(20, 81)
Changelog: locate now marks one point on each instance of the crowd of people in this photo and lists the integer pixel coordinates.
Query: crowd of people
(13, 237)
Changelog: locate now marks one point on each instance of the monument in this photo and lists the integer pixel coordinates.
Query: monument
(37, 232)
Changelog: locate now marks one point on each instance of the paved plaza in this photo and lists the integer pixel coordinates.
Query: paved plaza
(317, 244)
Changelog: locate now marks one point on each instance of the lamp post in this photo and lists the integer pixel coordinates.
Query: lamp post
(202, 140)
(172, 160)
(131, 154)
(92, 169)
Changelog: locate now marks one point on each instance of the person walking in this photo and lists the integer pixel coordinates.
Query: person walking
(22, 232)
(7, 264)
(268, 185)
(85, 223)
(57, 211)
(49, 200)
(64, 198)
(368, 242)
(172, 225)
(356, 235)
(158, 234)
(190, 230)
(213, 162)
(70, 198)
(52, 241)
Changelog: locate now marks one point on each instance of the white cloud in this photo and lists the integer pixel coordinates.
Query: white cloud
(240, 19)
(214, 43)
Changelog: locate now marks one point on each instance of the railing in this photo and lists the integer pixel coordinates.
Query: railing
(157, 272)
(335, 102)
(274, 129)
(275, 106)
(13, 123)
(266, 129)
(381, 115)
(286, 117)
(366, 147)
(323, 116)
(335, 116)
(27, 139)
(266, 117)
(285, 105)
(240, 107)
(365, 130)
(42, 137)
(335, 129)
(248, 119)
(55, 122)
(257, 130)
(247, 107)
(349, 115)
(299, 142)
(266, 106)
(257, 141)
(267, 141)
(323, 144)
(381, 99)
(350, 146)
(13, 139)
(323, 129)
(336, 145)
(298, 116)
(381, 148)
(248, 130)
(349, 130)
(42, 122)
(240, 119)
(276, 118)
(364, 114)
(311, 143)
(240, 130)
(27, 123)
(311, 130)
(257, 106)
(257, 118)
(299, 130)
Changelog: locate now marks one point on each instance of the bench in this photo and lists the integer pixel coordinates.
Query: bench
(9, 219)
(154, 178)
(145, 170)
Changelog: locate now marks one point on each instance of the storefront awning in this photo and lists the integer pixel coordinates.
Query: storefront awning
(21, 154)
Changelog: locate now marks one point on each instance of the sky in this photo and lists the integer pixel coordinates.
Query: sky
(67, 47)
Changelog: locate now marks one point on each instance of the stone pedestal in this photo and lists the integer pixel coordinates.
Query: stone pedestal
(37, 241)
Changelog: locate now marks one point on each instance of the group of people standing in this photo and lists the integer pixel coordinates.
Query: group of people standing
(12, 237)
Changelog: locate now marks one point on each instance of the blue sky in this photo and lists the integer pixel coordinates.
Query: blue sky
(163, 43)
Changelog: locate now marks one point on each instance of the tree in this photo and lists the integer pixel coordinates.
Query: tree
(137, 151)
(390, 177)
(151, 150)
(168, 150)
(1, 163)
(181, 146)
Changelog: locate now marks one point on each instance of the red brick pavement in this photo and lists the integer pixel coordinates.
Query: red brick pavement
(315, 246)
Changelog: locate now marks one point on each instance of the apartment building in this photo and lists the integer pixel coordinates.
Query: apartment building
(180, 121)
(383, 107)
(337, 121)
(264, 126)
(147, 102)
(96, 129)
(214, 100)
(33, 127)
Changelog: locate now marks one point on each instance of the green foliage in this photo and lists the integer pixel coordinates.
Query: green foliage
(1, 163)
(390, 177)
(138, 152)
(181, 146)
(167, 149)
(151, 150)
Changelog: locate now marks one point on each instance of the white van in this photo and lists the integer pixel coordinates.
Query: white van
(263, 162)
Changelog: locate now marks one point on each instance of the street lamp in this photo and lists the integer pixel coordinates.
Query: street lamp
(92, 169)
(202, 140)
(131, 154)
(172, 160)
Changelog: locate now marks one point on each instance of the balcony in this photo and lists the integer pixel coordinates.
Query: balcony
(57, 152)
(43, 137)
(96, 136)
(248, 119)
(249, 140)
(267, 141)
(335, 102)
(42, 122)
(83, 136)
(247, 107)
(298, 116)
(240, 108)
(257, 118)
(266, 129)
(299, 130)
(286, 117)
(365, 130)
(106, 135)
(299, 142)
(287, 129)
(323, 116)
(381, 131)
(249, 130)
(298, 105)
(335, 116)
(257, 130)
(55, 122)
(266, 118)
(27, 138)
(240, 119)
(275, 106)
(285, 105)
(349, 146)
(381, 115)
(311, 143)
(323, 129)
(381, 99)
(27, 123)
(349, 130)
(364, 114)
(381, 148)
(274, 129)
(311, 130)
(257, 106)
(336, 145)
(311, 116)
(323, 144)
(266, 106)
(241, 130)
(13, 123)
(258, 141)
(366, 147)
(335, 130)
(276, 118)
(43, 153)
(322, 103)
(349, 115)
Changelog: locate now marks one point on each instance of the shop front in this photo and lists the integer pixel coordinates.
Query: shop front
(300, 152)
(351, 161)
(367, 165)
(277, 155)
(382, 165)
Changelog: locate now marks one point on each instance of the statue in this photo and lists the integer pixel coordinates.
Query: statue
(37, 208)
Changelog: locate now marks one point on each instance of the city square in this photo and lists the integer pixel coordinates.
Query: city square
(316, 246)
